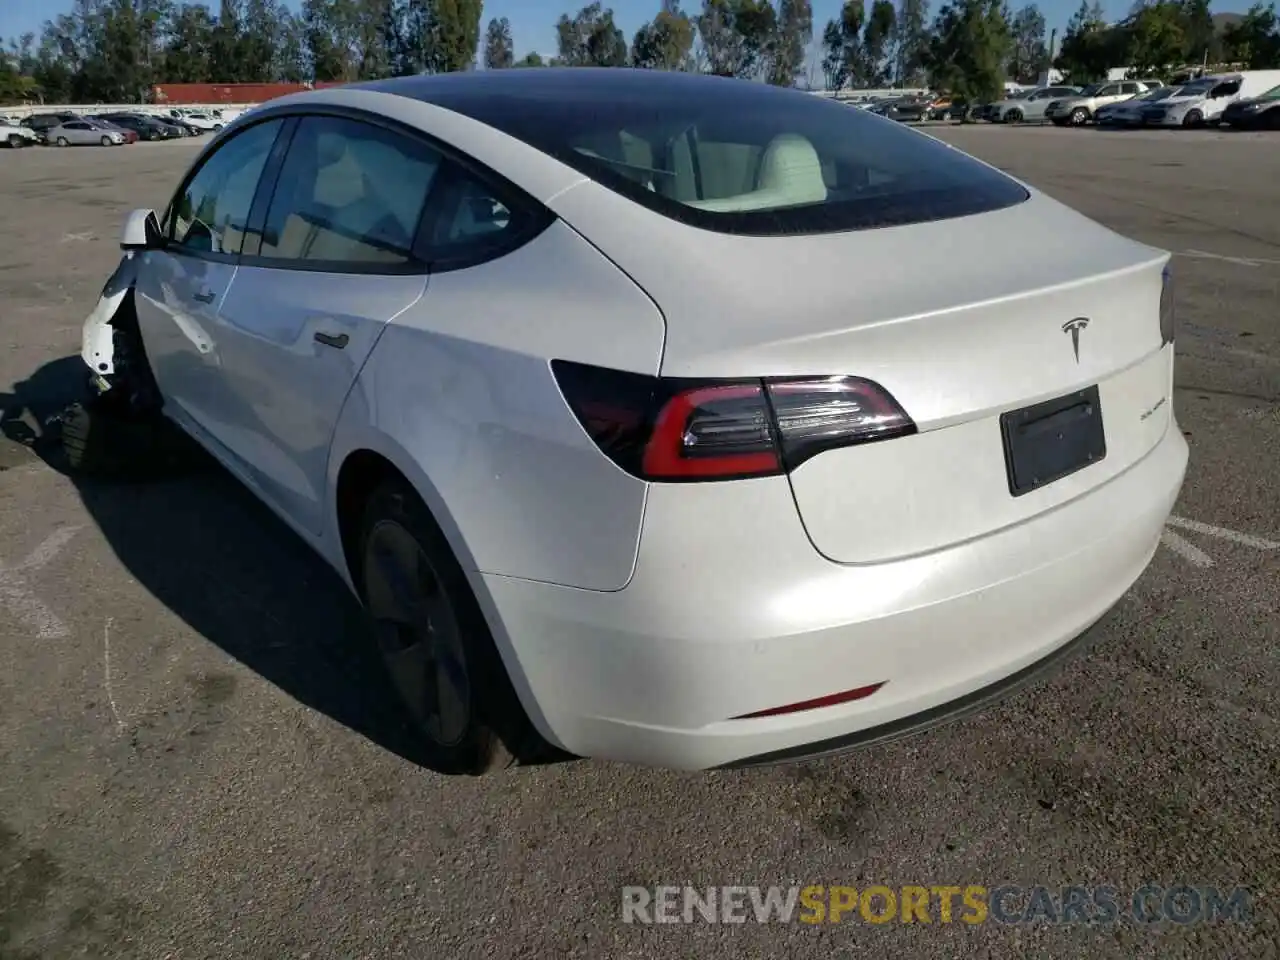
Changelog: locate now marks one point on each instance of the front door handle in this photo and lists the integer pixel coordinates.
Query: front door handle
(329, 340)
(205, 297)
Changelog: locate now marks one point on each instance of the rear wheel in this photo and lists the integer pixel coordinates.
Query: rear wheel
(433, 639)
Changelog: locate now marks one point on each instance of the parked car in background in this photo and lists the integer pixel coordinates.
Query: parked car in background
(1255, 113)
(1206, 100)
(913, 108)
(202, 121)
(1027, 106)
(144, 127)
(180, 127)
(15, 135)
(1078, 110)
(940, 108)
(42, 123)
(84, 132)
(1128, 113)
(130, 136)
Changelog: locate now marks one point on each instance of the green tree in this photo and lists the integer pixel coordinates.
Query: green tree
(1087, 48)
(1255, 40)
(665, 43)
(499, 50)
(452, 33)
(735, 36)
(791, 39)
(912, 42)
(969, 48)
(842, 56)
(1028, 57)
(1200, 44)
(877, 43)
(186, 56)
(531, 59)
(591, 38)
(1157, 41)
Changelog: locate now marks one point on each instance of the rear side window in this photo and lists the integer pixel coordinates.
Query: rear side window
(739, 157)
(348, 193)
(210, 213)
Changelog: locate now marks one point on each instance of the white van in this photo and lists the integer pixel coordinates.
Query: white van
(1203, 101)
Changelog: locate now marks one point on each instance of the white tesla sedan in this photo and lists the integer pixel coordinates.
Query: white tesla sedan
(671, 419)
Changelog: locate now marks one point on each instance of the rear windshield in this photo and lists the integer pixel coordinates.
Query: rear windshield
(745, 158)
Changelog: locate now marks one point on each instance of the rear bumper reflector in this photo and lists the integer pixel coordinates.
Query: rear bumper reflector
(847, 696)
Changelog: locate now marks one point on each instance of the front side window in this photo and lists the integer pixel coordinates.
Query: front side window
(348, 192)
(749, 159)
(211, 212)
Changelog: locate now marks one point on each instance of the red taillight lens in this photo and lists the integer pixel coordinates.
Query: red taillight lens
(672, 429)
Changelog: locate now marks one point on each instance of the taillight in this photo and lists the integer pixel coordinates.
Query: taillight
(1168, 318)
(674, 429)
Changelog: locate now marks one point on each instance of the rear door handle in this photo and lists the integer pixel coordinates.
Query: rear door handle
(329, 340)
(205, 297)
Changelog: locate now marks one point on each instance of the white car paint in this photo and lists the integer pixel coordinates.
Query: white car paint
(637, 619)
(9, 131)
(1206, 97)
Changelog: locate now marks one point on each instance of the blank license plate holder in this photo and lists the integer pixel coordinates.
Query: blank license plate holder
(1051, 440)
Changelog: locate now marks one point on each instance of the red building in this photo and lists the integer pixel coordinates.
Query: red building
(180, 94)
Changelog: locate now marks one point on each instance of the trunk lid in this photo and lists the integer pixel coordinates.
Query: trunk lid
(960, 320)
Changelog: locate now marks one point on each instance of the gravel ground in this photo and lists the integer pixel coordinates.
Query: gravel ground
(196, 762)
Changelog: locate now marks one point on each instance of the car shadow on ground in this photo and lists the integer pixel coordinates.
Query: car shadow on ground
(203, 546)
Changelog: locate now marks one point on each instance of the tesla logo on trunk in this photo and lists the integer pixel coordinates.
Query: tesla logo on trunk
(1074, 327)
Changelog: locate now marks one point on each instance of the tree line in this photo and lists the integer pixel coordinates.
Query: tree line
(116, 50)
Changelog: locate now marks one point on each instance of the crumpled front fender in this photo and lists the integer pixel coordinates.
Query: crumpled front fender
(96, 341)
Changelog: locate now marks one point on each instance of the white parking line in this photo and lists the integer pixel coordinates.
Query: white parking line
(17, 597)
(1241, 261)
(1197, 557)
(1248, 540)
(1188, 551)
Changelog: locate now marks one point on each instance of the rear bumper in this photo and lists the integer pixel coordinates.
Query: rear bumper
(926, 720)
(731, 611)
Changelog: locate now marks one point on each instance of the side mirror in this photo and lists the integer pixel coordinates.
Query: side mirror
(141, 231)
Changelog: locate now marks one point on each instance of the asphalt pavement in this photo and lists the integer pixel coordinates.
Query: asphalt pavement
(197, 760)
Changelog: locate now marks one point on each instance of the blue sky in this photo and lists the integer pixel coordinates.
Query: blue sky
(533, 21)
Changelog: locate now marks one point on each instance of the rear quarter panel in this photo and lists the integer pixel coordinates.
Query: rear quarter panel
(460, 386)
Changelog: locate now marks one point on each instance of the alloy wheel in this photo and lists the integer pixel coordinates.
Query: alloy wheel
(416, 629)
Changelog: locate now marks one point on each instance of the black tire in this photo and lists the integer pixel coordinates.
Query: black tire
(105, 141)
(1079, 117)
(16, 141)
(63, 142)
(103, 439)
(1013, 116)
(1193, 118)
(441, 647)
